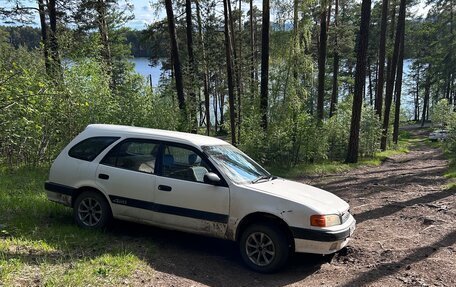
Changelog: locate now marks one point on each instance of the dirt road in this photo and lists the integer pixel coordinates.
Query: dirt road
(406, 235)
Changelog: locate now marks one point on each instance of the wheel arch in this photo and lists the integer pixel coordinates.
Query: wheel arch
(263, 217)
(77, 192)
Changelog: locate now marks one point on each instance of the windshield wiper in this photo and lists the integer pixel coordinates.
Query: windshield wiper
(268, 177)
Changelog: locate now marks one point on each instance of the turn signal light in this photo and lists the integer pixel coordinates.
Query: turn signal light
(318, 220)
(325, 220)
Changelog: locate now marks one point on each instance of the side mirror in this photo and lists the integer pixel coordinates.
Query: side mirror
(211, 178)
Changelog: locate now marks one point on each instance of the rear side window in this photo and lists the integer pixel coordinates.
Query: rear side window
(133, 154)
(90, 148)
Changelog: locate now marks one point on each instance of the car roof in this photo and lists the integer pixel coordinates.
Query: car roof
(130, 131)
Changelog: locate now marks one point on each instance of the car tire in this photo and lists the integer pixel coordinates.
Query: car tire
(264, 247)
(91, 210)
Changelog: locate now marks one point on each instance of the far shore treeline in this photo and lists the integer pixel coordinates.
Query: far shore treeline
(30, 37)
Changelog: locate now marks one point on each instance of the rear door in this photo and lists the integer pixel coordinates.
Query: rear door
(127, 175)
(182, 199)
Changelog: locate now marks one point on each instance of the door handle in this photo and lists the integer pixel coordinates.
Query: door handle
(103, 176)
(164, 188)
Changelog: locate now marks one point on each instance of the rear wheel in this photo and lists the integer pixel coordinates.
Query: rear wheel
(91, 210)
(264, 247)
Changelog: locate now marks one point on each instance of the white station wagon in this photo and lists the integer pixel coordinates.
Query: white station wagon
(196, 184)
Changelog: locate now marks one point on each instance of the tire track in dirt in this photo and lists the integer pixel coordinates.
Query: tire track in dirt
(406, 233)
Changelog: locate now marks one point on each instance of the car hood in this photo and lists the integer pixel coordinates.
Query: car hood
(313, 197)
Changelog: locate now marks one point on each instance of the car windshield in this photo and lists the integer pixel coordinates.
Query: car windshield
(236, 165)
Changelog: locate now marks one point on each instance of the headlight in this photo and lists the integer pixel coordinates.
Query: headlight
(325, 220)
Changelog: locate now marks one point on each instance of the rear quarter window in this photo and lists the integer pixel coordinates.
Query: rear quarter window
(90, 148)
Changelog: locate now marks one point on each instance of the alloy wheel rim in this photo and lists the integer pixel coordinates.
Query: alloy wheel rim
(260, 248)
(89, 211)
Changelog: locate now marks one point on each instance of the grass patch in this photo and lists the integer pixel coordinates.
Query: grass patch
(303, 169)
(402, 146)
(329, 167)
(452, 176)
(451, 172)
(106, 269)
(41, 245)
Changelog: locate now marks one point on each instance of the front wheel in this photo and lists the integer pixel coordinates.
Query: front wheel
(264, 247)
(91, 210)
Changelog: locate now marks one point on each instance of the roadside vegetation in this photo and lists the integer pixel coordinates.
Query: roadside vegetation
(445, 118)
(332, 167)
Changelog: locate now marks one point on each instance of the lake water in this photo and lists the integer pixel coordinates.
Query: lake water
(142, 66)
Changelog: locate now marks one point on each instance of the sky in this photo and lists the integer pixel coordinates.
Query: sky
(143, 10)
(148, 11)
(144, 13)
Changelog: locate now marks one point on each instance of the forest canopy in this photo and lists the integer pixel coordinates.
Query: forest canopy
(289, 82)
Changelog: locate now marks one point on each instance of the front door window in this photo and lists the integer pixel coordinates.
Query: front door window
(185, 164)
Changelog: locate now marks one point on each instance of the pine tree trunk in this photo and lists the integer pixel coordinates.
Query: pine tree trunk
(370, 81)
(192, 69)
(234, 50)
(222, 110)
(229, 69)
(392, 76)
(381, 59)
(328, 16)
(265, 66)
(295, 17)
(335, 84)
(239, 77)
(398, 88)
(360, 79)
(296, 39)
(322, 63)
(253, 85)
(453, 92)
(389, 61)
(189, 33)
(53, 42)
(392, 28)
(205, 70)
(175, 57)
(215, 104)
(448, 87)
(451, 89)
(427, 92)
(44, 36)
(417, 97)
(104, 34)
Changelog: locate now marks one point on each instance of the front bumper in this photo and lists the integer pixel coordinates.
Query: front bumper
(323, 241)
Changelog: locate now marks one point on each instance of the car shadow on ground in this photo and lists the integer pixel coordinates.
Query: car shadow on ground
(211, 261)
